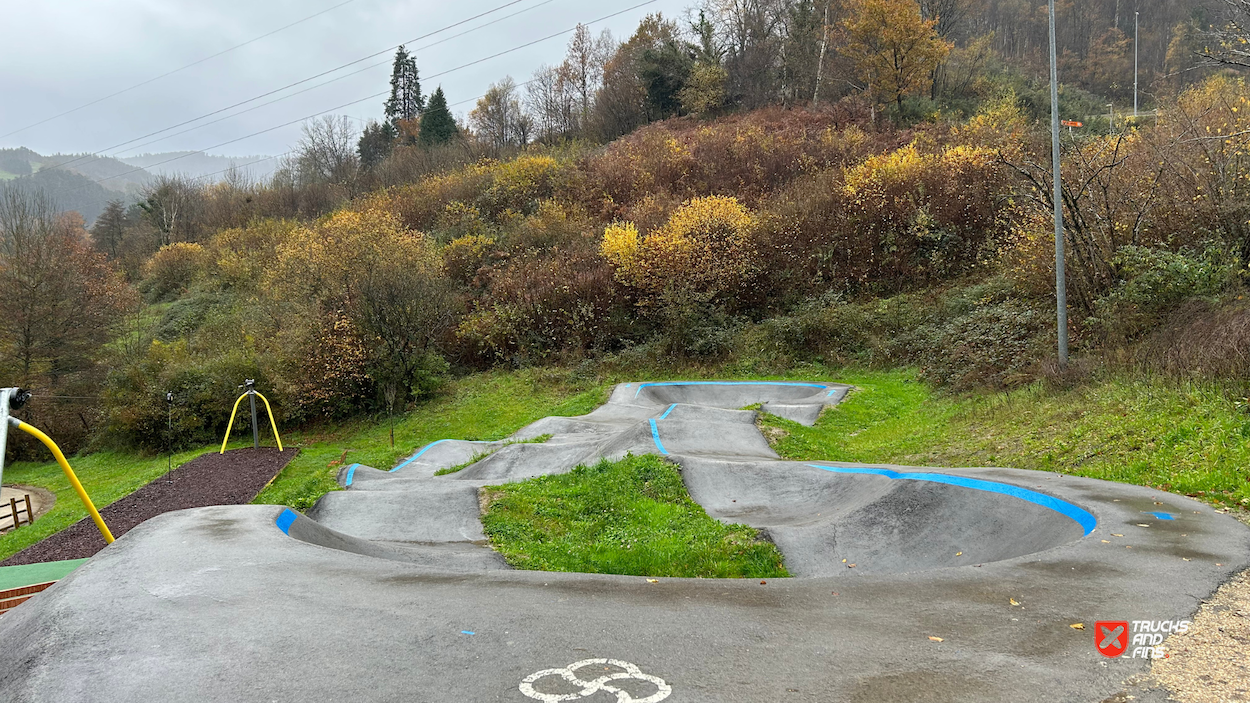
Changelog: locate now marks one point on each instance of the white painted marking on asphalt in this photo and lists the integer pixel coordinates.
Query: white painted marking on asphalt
(590, 688)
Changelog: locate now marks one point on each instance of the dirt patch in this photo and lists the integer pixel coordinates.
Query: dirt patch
(41, 501)
(233, 478)
(1210, 663)
(772, 435)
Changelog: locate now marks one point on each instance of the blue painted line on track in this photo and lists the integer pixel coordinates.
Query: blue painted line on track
(427, 447)
(1082, 517)
(727, 383)
(666, 412)
(466, 632)
(351, 472)
(284, 520)
(1162, 515)
(655, 434)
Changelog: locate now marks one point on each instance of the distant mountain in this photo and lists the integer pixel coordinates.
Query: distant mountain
(198, 164)
(68, 190)
(86, 183)
(108, 173)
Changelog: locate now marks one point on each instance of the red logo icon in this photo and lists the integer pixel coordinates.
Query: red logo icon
(1111, 637)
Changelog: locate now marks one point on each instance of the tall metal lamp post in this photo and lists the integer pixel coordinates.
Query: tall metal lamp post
(1061, 292)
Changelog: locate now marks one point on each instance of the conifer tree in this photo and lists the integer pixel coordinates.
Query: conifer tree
(375, 143)
(437, 124)
(406, 101)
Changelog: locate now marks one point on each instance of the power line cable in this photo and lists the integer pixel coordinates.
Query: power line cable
(325, 83)
(289, 85)
(378, 95)
(176, 70)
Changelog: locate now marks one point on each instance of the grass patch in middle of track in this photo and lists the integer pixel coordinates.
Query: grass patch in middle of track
(631, 517)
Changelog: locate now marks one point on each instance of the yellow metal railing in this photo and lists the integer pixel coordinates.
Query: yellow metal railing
(230, 424)
(69, 473)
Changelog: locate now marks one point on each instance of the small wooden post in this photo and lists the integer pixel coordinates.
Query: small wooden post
(30, 514)
(13, 511)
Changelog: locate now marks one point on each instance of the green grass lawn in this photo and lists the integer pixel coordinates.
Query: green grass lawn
(1187, 438)
(631, 516)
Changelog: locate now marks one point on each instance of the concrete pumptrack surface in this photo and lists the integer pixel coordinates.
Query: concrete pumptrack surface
(387, 591)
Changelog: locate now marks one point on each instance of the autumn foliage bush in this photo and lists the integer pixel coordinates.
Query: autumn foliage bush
(173, 269)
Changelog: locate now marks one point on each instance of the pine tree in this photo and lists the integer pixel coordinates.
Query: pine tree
(406, 101)
(437, 124)
(375, 143)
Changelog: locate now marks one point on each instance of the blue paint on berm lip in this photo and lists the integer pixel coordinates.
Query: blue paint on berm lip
(655, 434)
(285, 520)
(1082, 517)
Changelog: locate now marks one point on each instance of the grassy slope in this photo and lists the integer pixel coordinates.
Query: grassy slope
(631, 516)
(1186, 438)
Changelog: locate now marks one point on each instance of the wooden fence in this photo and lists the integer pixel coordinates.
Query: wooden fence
(16, 508)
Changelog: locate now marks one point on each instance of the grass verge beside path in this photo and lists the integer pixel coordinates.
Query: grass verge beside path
(486, 406)
(631, 516)
(1186, 438)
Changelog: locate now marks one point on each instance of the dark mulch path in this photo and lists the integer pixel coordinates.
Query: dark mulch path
(232, 478)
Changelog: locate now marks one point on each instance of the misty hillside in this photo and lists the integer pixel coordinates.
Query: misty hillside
(109, 173)
(198, 164)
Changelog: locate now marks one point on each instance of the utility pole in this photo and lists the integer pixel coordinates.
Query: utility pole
(1135, 14)
(1061, 291)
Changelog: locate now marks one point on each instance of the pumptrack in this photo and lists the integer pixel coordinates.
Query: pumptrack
(915, 584)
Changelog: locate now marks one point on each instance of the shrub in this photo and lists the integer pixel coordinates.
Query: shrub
(889, 223)
(245, 253)
(537, 305)
(704, 252)
(204, 388)
(1154, 282)
(990, 346)
(173, 269)
(464, 257)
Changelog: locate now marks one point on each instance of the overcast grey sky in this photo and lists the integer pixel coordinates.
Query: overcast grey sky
(58, 54)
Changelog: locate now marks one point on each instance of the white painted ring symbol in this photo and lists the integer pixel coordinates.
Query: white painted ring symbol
(603, 683)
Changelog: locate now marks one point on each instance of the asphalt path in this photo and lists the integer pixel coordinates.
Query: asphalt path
(911, 584)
